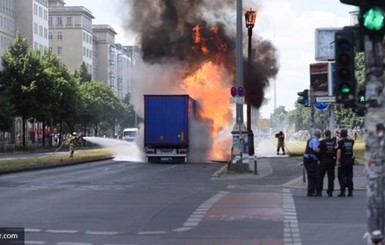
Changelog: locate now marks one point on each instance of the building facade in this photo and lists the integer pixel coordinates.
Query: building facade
(105, 57)
(32, 22)
(70, 34)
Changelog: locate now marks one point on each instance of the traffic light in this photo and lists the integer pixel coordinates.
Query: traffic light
(304, 98)
(371, 16)
(359, 107)
(344, 58)
(361, 99)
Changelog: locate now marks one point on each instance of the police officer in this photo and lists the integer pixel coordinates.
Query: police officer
(310, 160)
(327, 165)
(345, 161)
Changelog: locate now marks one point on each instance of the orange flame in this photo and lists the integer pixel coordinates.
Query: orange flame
(208, 86)
(199, 41)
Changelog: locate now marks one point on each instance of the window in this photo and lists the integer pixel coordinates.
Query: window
(69, 21)
(50, 35)
(35, 28)
(40, 31)
(59, 51)
(59, 21)
(45, 14)
(35, 9)
(59, 36)
(50, 21)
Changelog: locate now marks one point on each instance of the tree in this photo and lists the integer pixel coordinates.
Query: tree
(7, 109)
(278, 118)
(21, 70)
(59, 88)
(130, 118)
(98, 104)
(82, 73)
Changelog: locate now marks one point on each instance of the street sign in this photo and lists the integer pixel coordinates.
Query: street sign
(237, 100)
(319, 79)
(320, 105)
(326, 99)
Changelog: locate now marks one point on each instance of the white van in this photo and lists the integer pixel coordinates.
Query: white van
(129, 134)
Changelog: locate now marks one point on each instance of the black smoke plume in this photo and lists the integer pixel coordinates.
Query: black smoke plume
(166, 34)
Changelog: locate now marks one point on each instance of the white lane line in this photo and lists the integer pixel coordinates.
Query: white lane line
(152, 232)
(291, 234)
(35, 242)
(197, 216)
(73, 243)
(119, 244)
(104, 233)
(62, 231)
(32, 230)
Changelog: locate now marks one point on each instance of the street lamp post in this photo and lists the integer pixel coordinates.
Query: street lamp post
(250, 16)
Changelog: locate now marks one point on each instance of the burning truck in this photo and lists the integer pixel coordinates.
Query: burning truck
(188, 47)
(167, 127)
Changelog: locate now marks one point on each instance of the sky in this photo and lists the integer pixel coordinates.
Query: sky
(288, 24)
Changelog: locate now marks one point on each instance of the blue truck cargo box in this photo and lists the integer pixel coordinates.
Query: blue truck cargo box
(166, 119)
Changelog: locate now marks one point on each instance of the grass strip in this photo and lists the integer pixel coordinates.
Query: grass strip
(52, 160)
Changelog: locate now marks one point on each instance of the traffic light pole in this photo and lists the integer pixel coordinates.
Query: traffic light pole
(375, 136)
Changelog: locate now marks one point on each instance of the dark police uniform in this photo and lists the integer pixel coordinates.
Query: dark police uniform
(345, 169)
(327, 165)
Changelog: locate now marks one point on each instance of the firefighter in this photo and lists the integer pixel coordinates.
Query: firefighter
(327, 164)
(73, 142)
(281, 142)
(345, 162)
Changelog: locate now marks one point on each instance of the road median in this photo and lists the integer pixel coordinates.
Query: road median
(44, 160)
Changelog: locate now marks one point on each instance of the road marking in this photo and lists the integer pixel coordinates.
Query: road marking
(197, 216)
(35, 242)
(32, 230)
(104, 233)
(62, 231)
(152, 232)
(291, 234)
(73, 243)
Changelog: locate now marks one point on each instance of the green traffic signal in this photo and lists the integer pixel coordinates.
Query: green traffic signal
(361, 98)
(373, 19)
(345, 89)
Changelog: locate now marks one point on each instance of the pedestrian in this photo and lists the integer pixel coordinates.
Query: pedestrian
(281, 142)
(310, 161)
(345, 162)
(73, 141)
(337, 135)
(327, 154)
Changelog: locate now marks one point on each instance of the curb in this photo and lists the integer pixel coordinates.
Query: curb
(54, 166)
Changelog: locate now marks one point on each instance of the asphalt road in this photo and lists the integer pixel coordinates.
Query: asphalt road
(112, 202)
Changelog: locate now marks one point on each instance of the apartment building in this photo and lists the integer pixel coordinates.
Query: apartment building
(7, 24)
(105, 57)
(70, 34)
(68, 31)
(31, 18)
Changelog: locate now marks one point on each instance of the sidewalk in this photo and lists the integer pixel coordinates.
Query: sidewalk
(264, 168)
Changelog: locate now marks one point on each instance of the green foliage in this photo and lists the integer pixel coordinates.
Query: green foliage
(99, 104)
(130, 119)
(82, 73)
(36, 85)
(300, 117)
(19, 76)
